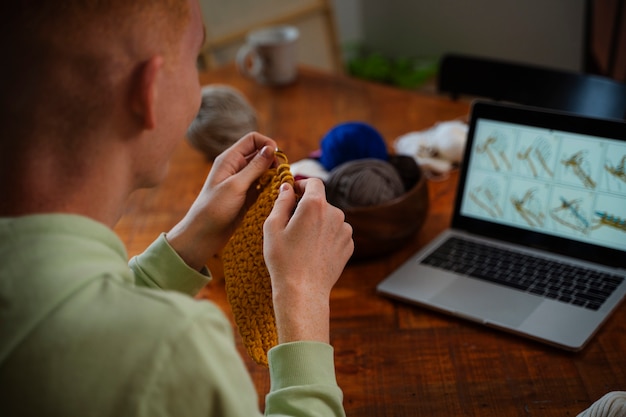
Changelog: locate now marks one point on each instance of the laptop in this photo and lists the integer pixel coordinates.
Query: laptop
(537, 243)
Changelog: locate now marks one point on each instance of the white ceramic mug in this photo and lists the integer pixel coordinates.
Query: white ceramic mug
(269, 55)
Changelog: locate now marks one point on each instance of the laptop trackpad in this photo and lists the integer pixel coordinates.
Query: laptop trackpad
(486, 302)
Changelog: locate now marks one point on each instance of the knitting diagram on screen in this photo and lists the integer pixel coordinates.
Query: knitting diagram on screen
(536, 156)
(578, 165)
(529, 208)
(486, 197)
(609, 220)
(570, 215)
(617, 173)
(495, 148)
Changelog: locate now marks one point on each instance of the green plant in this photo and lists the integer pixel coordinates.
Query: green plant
(407, 72)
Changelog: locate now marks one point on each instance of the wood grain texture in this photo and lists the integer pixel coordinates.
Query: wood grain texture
(393, 359)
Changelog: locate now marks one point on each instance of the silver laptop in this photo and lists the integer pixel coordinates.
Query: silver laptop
(537, 244)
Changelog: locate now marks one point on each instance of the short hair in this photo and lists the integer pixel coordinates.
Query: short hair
(63, 57)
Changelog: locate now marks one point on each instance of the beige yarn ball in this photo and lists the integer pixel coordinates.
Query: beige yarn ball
(224, 117)
(363, 183)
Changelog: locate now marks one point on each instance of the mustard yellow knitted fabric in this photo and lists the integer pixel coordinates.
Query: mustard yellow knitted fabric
(248, 284)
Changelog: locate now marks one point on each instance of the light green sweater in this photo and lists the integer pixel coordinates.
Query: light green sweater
(82, 334)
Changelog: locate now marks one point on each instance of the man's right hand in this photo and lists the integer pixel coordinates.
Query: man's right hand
(306, 247)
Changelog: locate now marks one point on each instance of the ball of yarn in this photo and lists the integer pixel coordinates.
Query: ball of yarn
(351, 141)
(224, 117)
(437, 149)
(407, 168)
(363, 183)
(309, 168)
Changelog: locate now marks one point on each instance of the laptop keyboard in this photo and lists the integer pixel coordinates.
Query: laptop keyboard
(566, 283)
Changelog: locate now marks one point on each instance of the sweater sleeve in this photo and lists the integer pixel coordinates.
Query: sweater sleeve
(198, 373)
(205, 359)
(161, 267)
(303, 381)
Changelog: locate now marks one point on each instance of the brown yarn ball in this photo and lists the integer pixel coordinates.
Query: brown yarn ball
(224, 117)
(363, 183)
(407, 168)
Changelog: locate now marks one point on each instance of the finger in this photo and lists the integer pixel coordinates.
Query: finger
(233, 166)
(257, 165)
(237, 156)
(252, 143)
(283, 207)
(311, 188)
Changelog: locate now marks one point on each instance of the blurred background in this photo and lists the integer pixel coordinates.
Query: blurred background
(370, 38)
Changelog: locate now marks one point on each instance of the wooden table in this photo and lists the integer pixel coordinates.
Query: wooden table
(393, 359)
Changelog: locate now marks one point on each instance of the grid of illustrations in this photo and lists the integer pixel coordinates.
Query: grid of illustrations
(559, 183)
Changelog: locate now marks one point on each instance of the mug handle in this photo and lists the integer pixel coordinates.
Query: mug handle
(249, 63)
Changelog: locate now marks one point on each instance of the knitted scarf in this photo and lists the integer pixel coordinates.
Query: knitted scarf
(248, 284)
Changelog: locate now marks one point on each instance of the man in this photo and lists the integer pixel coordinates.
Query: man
(94, 97)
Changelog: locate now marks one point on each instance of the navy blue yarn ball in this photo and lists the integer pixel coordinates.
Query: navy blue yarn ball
(351, 141)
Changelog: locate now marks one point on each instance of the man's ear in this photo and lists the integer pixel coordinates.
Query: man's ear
(144, 91)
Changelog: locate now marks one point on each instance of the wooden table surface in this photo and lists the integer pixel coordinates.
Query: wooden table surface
(393, 359)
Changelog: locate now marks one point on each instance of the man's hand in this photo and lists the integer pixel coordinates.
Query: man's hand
(219, 207)
(305, 251)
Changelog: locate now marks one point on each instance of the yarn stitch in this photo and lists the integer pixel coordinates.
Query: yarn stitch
(248, 283)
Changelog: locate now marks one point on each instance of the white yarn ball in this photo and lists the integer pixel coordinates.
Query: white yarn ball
(436, 149)
(449, 140)
(309, 168)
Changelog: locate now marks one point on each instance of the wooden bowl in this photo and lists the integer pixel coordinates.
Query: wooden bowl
(384, 228)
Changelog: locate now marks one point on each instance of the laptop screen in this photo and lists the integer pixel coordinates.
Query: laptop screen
(543, 175)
